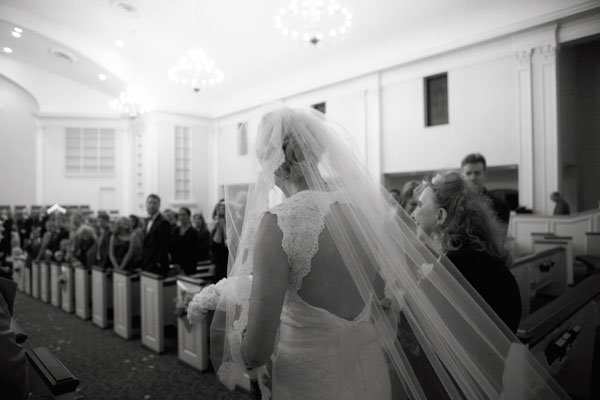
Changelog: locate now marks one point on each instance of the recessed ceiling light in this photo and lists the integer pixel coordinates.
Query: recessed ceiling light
(102, 77)
(7, 50)
(18, 30)
(16, 34)
(62, 54)
(119, 43)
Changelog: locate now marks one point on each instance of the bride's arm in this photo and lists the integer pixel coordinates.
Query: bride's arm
(269, 284)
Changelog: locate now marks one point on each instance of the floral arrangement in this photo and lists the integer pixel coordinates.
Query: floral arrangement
(204, 301)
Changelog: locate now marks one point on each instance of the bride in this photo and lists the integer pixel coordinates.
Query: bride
(320, 280)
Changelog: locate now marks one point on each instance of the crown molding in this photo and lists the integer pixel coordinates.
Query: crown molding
(579, 28)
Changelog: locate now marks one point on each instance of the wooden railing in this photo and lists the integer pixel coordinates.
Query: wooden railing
(521, 227)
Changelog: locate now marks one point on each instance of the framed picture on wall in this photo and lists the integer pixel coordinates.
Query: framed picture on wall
(436, 99)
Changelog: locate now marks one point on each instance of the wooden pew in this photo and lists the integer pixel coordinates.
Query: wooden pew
(205, 270)
(158, 308)
(551, 241)
(46, 371)
(45, 281)
(592, 243)
(55, 292)
(543, 273)
(83, 290)
(126, 300)
(35, 280)
(67, 288)
(27, 278)
(102, 296)
(562, 336)
(192, 341)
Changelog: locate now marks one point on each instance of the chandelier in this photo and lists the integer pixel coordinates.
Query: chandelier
(314, 21)
(130, 101)
(195, 69)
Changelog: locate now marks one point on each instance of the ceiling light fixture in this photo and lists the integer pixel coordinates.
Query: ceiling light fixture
(130, 101)
(102, 77)
(314, 21)
(7, 50)
(18, 30)
(196, 69)
(119, 43)
(16, 34)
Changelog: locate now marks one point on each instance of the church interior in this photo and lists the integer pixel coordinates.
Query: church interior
(105, 102)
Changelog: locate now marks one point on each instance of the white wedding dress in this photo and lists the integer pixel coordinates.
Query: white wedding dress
(321, 355)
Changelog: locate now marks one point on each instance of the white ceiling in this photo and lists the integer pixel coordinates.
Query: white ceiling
(259, 63)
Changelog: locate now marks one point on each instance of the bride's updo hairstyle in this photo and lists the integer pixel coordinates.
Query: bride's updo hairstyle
(290, 141)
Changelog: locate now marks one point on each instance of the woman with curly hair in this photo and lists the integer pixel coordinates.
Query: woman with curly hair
(463, 225)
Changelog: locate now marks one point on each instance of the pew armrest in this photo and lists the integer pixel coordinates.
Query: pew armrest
(18, 331)
(537, 325)
(58, 378)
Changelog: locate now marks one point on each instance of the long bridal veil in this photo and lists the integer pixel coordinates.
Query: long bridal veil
(435, 330)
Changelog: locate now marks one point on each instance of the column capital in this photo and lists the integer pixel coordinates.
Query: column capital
(523, 56)
(547, 50)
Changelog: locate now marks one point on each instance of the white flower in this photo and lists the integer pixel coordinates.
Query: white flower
(203, 302)
(424, 271)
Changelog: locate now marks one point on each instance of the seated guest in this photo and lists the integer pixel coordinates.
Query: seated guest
(407, 198)
(460, 221)
(125, 247)
(14, 375)
(474, 169)
(34, 243)
(561, 207)
(204, 243)
(184, 251)
(155, 255)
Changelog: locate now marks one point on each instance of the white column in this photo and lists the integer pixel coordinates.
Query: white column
(545, 127)
(39, 163)
(526, 167)
(373, 128)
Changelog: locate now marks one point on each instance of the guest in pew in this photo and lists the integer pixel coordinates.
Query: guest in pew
(220, 251)
(14, 375)
(125, 247)
(171, 217)
(561, 207)
(459, 219)
(85, 250)
(474, 169)
(395, 193)
(34, 243)
(104, 232)
(204, 242)
(408, 200)
(155, 254)
(184, 243)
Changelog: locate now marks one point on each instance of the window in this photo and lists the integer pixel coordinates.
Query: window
(320, 106)
(183, 168)
(436, 100)
(242, 139)
(90, 151)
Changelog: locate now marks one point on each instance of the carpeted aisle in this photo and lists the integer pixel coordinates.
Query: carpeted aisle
(109, 367)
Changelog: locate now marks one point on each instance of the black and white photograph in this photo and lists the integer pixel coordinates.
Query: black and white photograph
(299, 199)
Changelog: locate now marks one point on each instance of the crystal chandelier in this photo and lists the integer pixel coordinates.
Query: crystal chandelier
(130, 101)
(314, 21)
(195, 69)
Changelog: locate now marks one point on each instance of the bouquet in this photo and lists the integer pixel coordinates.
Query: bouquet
(206, 300)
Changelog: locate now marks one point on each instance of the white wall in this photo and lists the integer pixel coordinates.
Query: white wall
(159, 145)
(17, 144)
(57, 187)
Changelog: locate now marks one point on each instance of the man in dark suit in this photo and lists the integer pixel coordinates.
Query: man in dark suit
(155, 254)
(474, 169)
